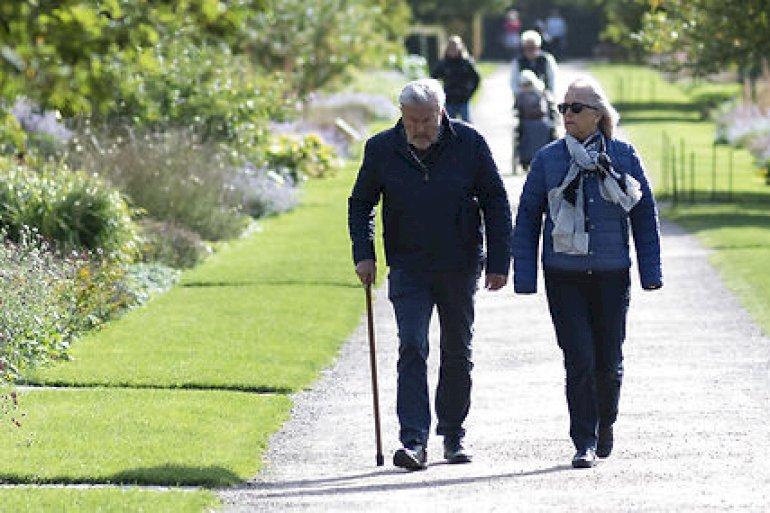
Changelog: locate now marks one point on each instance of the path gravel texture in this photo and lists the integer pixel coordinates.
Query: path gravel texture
(692, 433)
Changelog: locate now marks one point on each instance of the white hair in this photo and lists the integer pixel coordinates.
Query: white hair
(425, 91)
(531, 36)
(598, 98)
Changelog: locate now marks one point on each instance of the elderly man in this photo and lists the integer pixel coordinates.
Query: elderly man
(533, 58)
(437, 180)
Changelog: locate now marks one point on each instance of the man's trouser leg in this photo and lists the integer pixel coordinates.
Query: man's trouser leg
(454, 300)
(411, 297)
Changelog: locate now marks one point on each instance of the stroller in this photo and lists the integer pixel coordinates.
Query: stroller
(534, 124)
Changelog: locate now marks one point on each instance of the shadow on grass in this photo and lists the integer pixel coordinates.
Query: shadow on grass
(258, 389)
(277, 283)
(636, 120)
(318, 487)
(758, 199)
(164, 475)
(177, 475)
(701, 221)
(653, 105)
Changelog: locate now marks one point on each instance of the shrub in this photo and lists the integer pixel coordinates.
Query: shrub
(301, 157)
(37, 321)
(148, 279)
(12, 137)
(265, 192)
(71, 208)
(170, 244)
(172, 176)
(205, 88)
(316, 42)
(47, 298)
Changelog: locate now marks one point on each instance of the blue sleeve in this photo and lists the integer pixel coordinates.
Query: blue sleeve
(361, 213)
(493, 200)
(526, 232)
(646, 229)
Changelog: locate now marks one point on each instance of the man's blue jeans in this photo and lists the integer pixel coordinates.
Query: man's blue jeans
(414, 295)
(589, 314)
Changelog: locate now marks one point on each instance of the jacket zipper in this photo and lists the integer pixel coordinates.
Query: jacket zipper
(420, 163)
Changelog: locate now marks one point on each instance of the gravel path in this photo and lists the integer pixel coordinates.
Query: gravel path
(692, 433)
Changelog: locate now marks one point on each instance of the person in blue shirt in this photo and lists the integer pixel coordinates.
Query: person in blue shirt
(437, 182)
(592, 190)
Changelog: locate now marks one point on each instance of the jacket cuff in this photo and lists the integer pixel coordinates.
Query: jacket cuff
(651, 280)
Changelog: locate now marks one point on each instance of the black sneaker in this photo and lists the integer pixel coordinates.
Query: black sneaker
(605, 442)
(584, 458)
(454, 452)
(411, 458)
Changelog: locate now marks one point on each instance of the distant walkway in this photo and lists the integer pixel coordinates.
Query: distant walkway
(692, 433)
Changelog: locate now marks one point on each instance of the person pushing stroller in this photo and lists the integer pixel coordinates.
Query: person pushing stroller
(533, 108)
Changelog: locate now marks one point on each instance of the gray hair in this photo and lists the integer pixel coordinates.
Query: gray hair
(425, 91)
(598, 98)
(531, 36)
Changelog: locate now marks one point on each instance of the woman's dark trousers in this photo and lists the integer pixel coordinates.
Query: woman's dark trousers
(588, 311)
(414, 295)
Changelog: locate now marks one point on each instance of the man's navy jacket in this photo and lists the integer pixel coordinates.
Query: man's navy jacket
(432, 210)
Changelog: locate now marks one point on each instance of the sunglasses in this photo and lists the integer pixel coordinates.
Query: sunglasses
(575, 107)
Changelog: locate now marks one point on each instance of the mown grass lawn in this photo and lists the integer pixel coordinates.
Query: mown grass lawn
(104, 500)
(265, 313)
(162, 437)
(738, 230)
(256, 337)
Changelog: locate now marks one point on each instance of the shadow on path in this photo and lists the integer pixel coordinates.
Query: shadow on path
(299, 489)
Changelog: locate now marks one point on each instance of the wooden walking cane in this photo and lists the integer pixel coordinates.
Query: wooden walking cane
(373, 366)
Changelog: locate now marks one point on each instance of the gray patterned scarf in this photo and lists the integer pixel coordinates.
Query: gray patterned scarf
(566, 203)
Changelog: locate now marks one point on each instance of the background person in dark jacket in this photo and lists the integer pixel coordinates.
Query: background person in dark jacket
(437, 179)
(590, 187)
(458, 73)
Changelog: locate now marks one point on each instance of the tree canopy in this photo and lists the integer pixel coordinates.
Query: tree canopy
(72, 55)
(709, 35)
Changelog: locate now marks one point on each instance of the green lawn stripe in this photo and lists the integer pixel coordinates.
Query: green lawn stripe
(307, 246)
(103, 500)
(263, 338)
(139, 437)
(266, 313)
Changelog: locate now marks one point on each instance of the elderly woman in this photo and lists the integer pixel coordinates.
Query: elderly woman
(591, 188)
